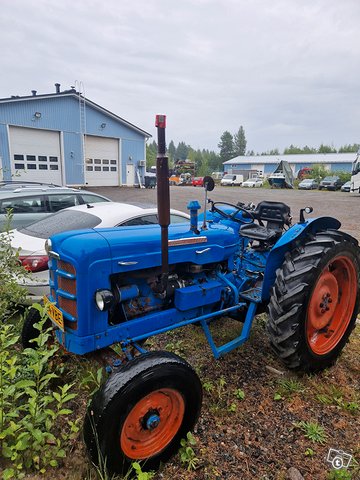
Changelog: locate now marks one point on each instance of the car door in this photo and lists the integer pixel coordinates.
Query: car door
(25, 210)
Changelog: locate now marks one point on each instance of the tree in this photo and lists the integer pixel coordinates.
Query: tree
(171, 152)
(326, 149)
(240, 142)
(151, 152)
(226, 146)
(319, 172)
(349, 148)
(182, 151)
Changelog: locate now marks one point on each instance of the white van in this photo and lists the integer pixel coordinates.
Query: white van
(230, 180)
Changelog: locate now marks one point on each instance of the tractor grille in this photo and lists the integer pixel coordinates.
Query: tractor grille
(66, 267)
(67, 284)
(66, 292)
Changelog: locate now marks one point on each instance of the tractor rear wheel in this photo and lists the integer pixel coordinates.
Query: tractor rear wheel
(142, 412)
(315, 301)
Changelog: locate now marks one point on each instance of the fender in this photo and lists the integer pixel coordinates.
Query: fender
(287, 243)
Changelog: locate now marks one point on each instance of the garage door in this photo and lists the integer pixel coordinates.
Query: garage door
(102, 161)
(35, 155)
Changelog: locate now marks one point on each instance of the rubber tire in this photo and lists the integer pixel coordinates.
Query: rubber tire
(28, 331)
(114, 400)
(291, 295)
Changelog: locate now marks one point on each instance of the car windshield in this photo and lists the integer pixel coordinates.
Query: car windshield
(228, 176)
(329, 179)
(307, 181)
(61, 222)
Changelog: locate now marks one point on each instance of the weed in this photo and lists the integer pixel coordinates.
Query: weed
(221, 388)
(232, 408)
(309, 452)
(92, 380)
(287, 387)
(313, 431)
(30, 409)
(341, 474)
(187, 454)
(208, 387)
(239, 394)
(140, 475)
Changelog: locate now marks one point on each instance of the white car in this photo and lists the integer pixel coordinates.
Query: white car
(253, 182)
(31, 239)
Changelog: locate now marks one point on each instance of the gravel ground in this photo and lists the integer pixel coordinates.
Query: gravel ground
(343, 206)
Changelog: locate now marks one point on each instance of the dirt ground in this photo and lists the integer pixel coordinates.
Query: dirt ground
(343, 206)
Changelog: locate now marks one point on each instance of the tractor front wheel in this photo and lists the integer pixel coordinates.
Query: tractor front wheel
(142, 412)
(315, 301)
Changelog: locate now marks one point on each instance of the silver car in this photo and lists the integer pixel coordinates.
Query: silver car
(29, 202)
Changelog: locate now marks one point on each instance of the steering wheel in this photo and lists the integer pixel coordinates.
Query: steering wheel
(232, 216)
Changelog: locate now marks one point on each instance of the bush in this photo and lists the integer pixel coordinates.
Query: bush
(33, 434)
(11, 274)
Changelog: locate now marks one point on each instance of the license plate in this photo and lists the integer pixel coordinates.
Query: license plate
(54, 313)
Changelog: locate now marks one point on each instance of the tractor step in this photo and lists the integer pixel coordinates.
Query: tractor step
(236, 342)
(253, 294)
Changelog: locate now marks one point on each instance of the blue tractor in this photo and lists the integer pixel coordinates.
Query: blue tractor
(112, 286)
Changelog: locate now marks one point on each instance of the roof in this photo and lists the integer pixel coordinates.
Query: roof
(301, 158)
(73, 93)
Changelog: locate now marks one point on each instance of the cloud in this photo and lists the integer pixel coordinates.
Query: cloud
(285, 70)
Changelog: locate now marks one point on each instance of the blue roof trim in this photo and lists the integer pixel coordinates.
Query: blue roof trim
(75, 94)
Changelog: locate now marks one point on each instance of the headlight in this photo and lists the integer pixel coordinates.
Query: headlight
(48, 246)
(104, 299)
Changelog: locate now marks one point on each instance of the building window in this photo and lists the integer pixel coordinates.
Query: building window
(105, 162)
(43, 167)
(97, 161)
(53, 159)
(113, 162)
(113, 169)
(31, 166)
(31, 158)
(54, 167)
(105, 169)
(42, 158)
(18, 157)
(89, 168)
(97, 169)
(19, 166)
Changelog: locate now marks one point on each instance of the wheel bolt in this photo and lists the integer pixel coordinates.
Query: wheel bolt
(327, 309)
(323, 310)
(330, 300)
(321, 305)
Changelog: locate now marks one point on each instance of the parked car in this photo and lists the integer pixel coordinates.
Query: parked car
(198, 182)
(29, 202)
(31, 239)
(231, 180)
(346, 187)
(253, 182)
(331, 183)
(308, 184)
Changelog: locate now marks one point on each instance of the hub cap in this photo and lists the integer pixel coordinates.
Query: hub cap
(152, 423)
(331, 305)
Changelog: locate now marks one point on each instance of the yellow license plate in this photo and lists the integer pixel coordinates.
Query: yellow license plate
(54, 313)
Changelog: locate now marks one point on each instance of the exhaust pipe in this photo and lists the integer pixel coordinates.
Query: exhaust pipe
(163, 198)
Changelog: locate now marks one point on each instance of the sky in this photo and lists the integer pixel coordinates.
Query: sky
(288, 71)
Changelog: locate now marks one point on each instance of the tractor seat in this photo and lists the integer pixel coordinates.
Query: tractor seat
(275, 214)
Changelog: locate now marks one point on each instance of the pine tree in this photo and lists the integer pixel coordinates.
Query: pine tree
(226, 146)
(240, 142)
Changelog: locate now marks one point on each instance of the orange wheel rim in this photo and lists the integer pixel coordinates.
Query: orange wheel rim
(152, 423)
(331, 305)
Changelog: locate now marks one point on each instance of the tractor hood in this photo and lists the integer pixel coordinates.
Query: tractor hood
(133, 248)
